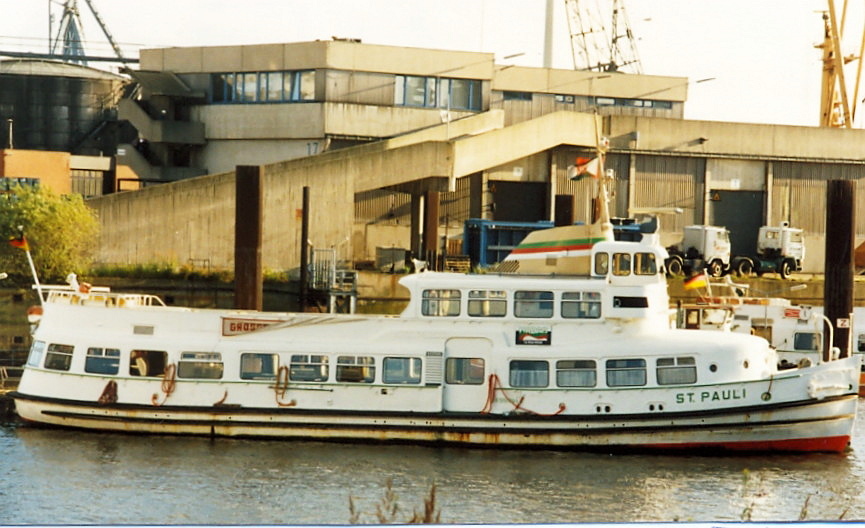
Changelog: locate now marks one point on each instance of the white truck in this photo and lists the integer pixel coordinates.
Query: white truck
(780, 249)
(702, 247)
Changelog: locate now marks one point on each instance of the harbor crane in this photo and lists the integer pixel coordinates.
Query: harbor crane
(596, 46)
(837, 104)
(70, 35)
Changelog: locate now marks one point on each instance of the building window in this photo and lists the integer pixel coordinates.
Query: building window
(59, 357)
(487, 303)
(432, 92)
(533, 304)
(263, 87)
(355, 369)
(258, 366)
(576, 373)
(676, 371)
(529, 373)
(464, 371)
(308, 368)
(441, 303)
(581, 305)
(87, 183)
(200, 365)
(626, 372)
(102, 360)
(516, 96)
(402, 370)
(564, 99)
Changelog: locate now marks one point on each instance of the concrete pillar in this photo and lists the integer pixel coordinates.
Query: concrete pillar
(248, 276)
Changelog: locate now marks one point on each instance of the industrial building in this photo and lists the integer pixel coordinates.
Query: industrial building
(400, 146)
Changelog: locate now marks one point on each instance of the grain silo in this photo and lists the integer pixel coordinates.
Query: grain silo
(58, 106)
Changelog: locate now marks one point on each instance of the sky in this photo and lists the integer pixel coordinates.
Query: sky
(759, 55)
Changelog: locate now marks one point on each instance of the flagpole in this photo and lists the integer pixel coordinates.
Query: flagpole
(35, 277)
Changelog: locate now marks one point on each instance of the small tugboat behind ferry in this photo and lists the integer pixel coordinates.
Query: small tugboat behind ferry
(494, 359)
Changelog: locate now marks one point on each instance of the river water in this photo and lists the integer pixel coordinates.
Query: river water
(53, 476)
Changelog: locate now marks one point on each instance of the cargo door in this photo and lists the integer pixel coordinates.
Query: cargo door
(467, 372)
(741, 212)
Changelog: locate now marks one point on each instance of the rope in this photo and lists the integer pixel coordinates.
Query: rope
(281, 387)
(495, 384)
(169, 383)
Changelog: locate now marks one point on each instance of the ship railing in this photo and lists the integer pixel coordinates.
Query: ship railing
(98, 296)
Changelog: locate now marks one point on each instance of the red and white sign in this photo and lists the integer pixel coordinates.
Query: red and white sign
(236, 326)
(792, 312)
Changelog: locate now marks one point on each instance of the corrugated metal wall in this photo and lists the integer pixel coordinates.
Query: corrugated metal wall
(799, 193)
(668, 181)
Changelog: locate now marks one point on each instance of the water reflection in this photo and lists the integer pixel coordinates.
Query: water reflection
(69, 477)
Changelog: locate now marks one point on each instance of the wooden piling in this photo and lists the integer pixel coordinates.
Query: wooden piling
(839, 265)
(248, 276)
(304, 252)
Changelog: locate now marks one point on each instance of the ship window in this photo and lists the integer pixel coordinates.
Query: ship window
(36, 351)
(645, 264)
(102, 360)
(464, 371)
(441, 303)
(581, 305)
(59, 357)
(860, 346)
(676, 371)
(533, 304)
(200, 365)
(355, 369)
(402, 370)
(487, 303)
(621, 264)
(602, 263)
(308, 368)
(576, 373)
(806, 341)
(147, 362)
(258, 366)
(529, 373)
(626, 372)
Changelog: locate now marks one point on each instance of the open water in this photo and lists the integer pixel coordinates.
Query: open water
(53, 476)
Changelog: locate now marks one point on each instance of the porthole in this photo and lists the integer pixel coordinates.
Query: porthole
(713, 368)
(745, 363)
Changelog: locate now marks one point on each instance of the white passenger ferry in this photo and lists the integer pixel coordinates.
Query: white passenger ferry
(587, 361)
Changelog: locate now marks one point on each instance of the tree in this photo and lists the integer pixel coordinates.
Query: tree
(60, 232)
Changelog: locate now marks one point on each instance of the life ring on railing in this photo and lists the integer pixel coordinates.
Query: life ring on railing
(34, 314)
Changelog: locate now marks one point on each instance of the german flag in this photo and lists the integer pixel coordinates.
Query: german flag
(697, 281)
(19, 242)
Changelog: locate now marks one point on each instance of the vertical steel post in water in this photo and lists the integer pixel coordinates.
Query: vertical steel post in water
(839, 264)
(248, 278)
(431, 228)
(304, 251)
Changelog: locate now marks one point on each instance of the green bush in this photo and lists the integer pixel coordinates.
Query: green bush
(60, 231)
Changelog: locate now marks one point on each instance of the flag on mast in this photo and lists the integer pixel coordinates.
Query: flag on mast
(697, 281)
(19, 242)
(584, 167)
